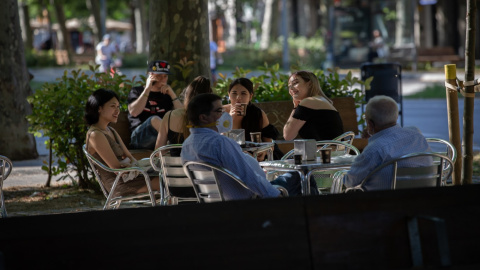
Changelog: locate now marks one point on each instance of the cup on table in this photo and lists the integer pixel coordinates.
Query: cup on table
(298, 159)
(256, 137)
(326, 155)
(242, 111)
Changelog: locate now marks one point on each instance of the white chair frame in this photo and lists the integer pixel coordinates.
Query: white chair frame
(114, 202)
(413, 177)
(339, 145)
(346, 137)
(204, 177)
(171, 174)
(450, 152)
(5, 170)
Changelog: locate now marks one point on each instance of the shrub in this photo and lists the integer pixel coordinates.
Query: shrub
(134, 60)
(58, 110)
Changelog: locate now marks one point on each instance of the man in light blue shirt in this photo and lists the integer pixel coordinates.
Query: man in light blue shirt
(388, 141)
(207, 145)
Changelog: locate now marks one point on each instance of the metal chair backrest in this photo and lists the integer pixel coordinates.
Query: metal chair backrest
(414, 177)
(346, 137)
(338, 148)
(207, 182)
(5, 170)
(175, 185)
(443, 147)
(114, 200)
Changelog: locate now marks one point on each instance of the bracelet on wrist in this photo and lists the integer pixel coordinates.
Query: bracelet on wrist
(175, 99)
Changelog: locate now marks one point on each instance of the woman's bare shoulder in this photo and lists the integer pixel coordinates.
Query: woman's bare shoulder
(317, 103)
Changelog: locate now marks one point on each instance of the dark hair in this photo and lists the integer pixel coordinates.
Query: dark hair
(200, 104)
(253, 120)
(95, 101)
(243, 82)
(199, 85)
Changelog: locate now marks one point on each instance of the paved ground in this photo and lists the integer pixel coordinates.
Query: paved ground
(428, 115)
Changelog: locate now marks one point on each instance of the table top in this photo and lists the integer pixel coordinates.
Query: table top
(253, 146)
(289, 164)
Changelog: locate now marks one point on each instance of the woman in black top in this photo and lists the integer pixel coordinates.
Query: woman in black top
(173, 128)
(313, 116)
(255, 119)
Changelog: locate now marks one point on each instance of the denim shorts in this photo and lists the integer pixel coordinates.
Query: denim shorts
(144, 136)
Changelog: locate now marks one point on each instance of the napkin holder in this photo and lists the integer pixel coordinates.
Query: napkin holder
(306, 148)
(237, 135)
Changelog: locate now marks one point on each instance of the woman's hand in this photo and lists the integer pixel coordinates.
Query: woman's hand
(126, 162)
(296, 102)
(261, 156)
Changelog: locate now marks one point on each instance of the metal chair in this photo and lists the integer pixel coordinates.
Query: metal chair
(175, 186)
(266, 147)
(207, 180)
(324, 179)
(445, 148)
(338, 148)
(113, 200)
(413, 177)
(346, 137)
(5, 170)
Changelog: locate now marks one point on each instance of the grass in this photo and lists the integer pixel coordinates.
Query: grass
(431, 92)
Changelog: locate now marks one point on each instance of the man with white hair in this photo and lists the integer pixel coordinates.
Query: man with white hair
(388, 141)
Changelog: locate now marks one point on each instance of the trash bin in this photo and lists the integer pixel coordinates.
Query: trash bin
(387, 80)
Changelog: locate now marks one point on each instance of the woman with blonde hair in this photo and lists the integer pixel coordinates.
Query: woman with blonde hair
(173, 129)
(313, 115)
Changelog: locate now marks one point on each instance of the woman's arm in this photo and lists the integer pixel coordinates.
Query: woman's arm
(125, 150)
(292, 126)
(99, 143)
(162, 137)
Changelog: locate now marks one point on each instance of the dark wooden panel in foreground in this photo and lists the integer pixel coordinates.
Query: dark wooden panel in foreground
(347, 231)
(236, 235)
(369, 230)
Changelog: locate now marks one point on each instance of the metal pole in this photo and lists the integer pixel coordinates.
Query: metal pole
(453, 122)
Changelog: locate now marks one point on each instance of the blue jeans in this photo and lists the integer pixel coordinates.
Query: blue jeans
(291, 182)
(144, 136)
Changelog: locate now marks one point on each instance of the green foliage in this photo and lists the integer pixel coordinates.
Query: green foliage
(134, 60)
(40, 58)
(58, 110)
(269, 86)
(272, 85)
(185, 68)
(306, 52)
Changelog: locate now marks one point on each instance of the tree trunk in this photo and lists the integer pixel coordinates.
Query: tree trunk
(266, 25)
(15, 141)
(231, 24)
(27, 34)
(140, 25)
(94, 7)
(470, 96)
(66, 41)
(179, 30)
